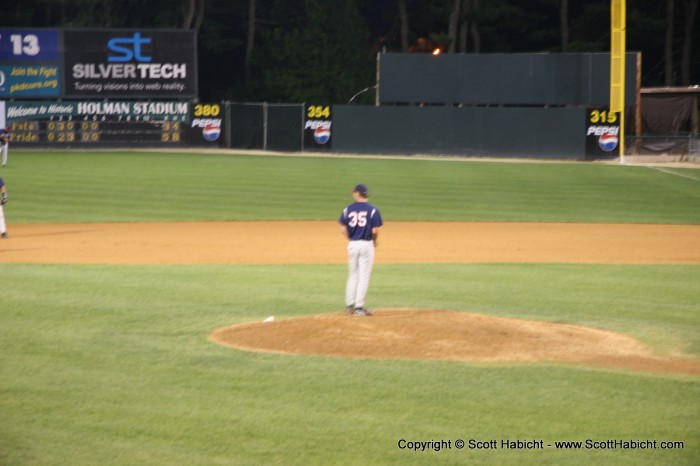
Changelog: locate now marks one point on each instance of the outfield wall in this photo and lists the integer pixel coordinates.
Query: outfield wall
(581, 79)
(556, 133)
(469, 131)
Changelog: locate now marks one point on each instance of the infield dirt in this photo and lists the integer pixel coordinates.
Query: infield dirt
(321, 243)
(391, 333)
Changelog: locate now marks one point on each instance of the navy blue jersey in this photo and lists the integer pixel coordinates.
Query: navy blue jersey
(2, 183)
(359, 218)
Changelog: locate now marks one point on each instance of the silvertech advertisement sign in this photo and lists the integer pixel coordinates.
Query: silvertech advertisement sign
(130, 63)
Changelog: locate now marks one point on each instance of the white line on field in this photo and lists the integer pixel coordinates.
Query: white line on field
(674, 173)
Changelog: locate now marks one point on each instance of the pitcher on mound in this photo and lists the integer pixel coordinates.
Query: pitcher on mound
(361, 221)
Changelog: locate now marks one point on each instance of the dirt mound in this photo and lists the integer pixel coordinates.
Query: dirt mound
(445, 335)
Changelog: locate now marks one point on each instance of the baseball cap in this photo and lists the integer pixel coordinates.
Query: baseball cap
(361, 188)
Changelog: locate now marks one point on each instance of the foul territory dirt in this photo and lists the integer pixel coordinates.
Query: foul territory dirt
(391, 333)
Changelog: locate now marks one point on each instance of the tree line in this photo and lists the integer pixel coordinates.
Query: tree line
(325, 51)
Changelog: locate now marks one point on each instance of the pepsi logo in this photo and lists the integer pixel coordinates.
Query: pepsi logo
(322, 135)
(607, 142)
(211, 132)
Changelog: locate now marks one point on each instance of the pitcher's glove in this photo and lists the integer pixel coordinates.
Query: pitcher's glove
(3, 200)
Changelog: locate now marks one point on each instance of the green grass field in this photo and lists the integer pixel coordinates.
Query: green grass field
(113, 365)
(136, 186)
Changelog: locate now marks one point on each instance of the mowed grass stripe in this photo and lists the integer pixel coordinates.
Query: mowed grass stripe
(134, 186)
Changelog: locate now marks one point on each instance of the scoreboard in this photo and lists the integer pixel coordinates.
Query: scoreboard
(132, 87)
(25, 132)
(119, 123)
(74, 132)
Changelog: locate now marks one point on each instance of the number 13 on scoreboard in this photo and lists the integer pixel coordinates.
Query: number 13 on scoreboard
(27, 44)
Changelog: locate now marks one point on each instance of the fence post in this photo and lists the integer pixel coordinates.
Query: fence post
(229, 124)
(303, 119)
(264, 125)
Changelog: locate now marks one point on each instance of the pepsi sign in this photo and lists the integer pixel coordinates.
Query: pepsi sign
(602, 134)
(207, 125)
(318, 127)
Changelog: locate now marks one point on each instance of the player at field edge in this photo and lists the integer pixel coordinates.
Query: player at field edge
(3, 201)
(4, 144)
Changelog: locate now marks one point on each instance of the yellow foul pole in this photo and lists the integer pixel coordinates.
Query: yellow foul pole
(618, 13)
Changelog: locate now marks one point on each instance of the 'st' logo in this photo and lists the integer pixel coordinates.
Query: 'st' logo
(128, 48)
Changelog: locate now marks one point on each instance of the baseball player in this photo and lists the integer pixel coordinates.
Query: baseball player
(4, 144)
(3, 201)
(360, 223)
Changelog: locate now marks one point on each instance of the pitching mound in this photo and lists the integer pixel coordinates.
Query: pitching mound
(444, 335)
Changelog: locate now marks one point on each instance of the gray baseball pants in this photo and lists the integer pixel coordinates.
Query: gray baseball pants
(3, 227)
(360, 261)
